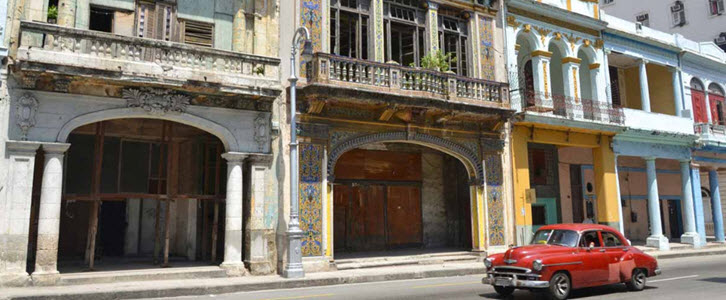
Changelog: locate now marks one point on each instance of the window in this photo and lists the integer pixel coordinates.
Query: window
(156, 20)
(643, 19)
(567, 238)
(716, 98)
(404, 27)
(615, 86)
(539, 215)
(715, 7)
(610, 239)
(698, 98)
(453, 39)
(197, 33)
(349, 27)
(101, 19)
(539, 166)
(590, 238)
(678, 11)
(605, 2)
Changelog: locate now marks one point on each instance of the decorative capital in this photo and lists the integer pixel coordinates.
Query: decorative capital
(595, 66)
(25, 113)
(55, 148)
(541, 53)
(156, 102)
(573, 60)
(22, 147)
(234, 157)
(512, 21)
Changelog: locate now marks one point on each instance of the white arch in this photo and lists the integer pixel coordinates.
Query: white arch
(226, 136)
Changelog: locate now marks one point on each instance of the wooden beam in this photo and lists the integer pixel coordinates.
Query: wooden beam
(215, 226)
(387, 114)
(95, 192)
(316, 106)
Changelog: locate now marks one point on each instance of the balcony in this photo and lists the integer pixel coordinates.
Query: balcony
(68, 54)
(568, 108)
(711, 134)
(411, 86)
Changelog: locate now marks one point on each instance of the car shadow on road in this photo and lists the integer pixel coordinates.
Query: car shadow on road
(715, 279)
(582, 293)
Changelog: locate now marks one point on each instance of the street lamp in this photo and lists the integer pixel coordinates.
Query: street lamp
(294, 268)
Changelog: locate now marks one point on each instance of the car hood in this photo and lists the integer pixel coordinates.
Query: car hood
(523, 256)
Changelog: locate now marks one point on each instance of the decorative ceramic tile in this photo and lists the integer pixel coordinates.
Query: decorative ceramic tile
(486, 44)
(311, 17)
(311, 163)
(493, 165)
(378, 21)
(311, 220)
(495, 204)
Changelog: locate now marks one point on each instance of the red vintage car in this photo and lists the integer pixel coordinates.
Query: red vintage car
(564, 257)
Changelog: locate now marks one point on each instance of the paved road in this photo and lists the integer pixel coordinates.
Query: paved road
(684, 278)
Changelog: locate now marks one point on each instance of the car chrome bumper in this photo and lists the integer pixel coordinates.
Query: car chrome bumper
(514, 282)
(657, 271)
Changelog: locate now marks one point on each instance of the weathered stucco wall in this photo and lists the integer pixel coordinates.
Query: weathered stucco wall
(432, 194)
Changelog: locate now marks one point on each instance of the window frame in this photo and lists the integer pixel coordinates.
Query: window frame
(582, 236)
(334, 42)
(719, 6)
(419, 23)
(602, 235)
(462, 43)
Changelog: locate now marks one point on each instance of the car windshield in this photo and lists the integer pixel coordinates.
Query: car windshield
(567, 238)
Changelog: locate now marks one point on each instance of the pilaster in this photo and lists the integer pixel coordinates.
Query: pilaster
(677, 95)
(644, 90)
(542, 80)
(716, 211)
(67, 13)
(260, 240)
(432, 27)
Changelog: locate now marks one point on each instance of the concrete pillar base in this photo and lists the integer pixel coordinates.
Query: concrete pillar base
(261, 268)
(45, 278)
(236, 269)
(14, 279)
(692, 238)
(660, 242)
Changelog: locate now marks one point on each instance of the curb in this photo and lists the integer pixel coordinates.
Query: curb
(700, 252)
(246, 287)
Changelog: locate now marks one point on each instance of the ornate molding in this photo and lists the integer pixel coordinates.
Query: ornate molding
(262, 131)
(406, 136)
(25, 113)
(156, 102)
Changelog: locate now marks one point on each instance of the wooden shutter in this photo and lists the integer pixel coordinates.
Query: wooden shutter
(197, 33)
(699, 106)
(145, 21)
(156, 21)
(715, 99)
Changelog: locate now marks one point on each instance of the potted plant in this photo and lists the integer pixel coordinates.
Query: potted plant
(53, 14)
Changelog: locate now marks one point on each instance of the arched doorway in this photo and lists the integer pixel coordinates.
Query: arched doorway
(400, 195)
(141, 191)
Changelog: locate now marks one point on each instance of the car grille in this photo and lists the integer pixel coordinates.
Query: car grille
(514, 270)
(509, 272)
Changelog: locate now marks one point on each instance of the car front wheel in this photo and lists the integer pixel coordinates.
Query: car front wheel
(637, 281)
(504, 291)
(560, 286)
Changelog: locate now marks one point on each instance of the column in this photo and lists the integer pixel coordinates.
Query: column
(478, 225)
(233, 216)
(83, 14)
(677, 95)
(690, 236)
(656, 238)
(15, 212)
(520, 167)
(239, 28)
(606, 184)
(644, 91)
(698, 202)
(67, 13)
(258, 256)
(46, 258)
(608, 80)
(716, 205)
(621, 221)
(708, 106)
(432, 27)
(571, 82)
(377, 53)
(540, 74)
(263, 13)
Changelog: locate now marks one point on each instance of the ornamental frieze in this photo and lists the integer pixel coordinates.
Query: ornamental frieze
(156, 102)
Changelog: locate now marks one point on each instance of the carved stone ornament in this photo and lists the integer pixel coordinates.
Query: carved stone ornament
(156, 102)
(25, 113)
(261, 131)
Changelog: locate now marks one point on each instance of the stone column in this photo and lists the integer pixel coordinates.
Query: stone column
(621, 221)
(540, 74)
(239, 28)
(258, 255)
(716, 205)
(644, 91)
(83, 14)
(677, 95)
(606, 183)
(571, 83)
(233, 216)
(690, 236)
(67, 13)
(656, 238)
(46, 258)
(698, 203)
(432, 27)
(608, 80)
(15, 212)
(708, 106)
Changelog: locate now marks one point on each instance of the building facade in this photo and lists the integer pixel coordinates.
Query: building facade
(138, 130)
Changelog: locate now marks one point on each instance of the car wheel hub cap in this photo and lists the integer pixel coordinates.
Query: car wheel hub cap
(640, 279)
(561, 285)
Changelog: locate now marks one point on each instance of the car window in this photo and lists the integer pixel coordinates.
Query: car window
(567, 238)
(590, 238)
(610, 239)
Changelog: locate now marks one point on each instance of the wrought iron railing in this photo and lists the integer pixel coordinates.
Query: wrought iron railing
(407, 81)
(572, 108)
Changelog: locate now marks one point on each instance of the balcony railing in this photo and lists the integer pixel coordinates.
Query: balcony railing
(571, 108)
(706, 128)
(99, 50)
(393, 78)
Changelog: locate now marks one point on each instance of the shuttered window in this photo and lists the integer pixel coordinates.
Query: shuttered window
(197, 33)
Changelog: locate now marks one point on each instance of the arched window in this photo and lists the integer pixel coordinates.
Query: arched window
(349, 25)
(698, 98)
(716, 98)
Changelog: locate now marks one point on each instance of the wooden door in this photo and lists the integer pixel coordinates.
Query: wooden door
(717, 104)
(699, 106)
(359, 222)
(404, 219)
(578, 210)
(341, 197)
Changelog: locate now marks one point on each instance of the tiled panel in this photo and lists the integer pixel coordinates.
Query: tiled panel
(312, 17)
(495, 198)
(310, 197)
(486, 43)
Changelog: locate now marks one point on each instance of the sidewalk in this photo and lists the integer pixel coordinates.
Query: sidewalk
(189, 287)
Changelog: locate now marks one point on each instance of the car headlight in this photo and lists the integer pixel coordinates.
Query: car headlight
(488, 263)
(537, 265)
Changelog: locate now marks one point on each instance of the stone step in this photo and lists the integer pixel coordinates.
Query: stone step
(201, 272)
(379, 262)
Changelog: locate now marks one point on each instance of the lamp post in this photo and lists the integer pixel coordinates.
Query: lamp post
(293, 267)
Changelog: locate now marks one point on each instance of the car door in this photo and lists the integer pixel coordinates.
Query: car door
(617, 251)
(595, 259)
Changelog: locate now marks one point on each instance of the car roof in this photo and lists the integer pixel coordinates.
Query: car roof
(578, 227)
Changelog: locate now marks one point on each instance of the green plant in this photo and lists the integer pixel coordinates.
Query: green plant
(53, 12)
(438, 61)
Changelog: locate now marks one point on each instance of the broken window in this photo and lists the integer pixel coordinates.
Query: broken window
(349, 25)
(197, 33)
(453, 36)
(404, 28)
(101, 19)
(615, 86)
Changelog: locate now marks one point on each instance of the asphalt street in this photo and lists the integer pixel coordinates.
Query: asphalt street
(682, 278)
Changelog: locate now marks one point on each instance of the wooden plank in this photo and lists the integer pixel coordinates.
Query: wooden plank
(95, 190)
(166, 233)
(375, 221)
(404, 220)
(341, 197)
(215, 229)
